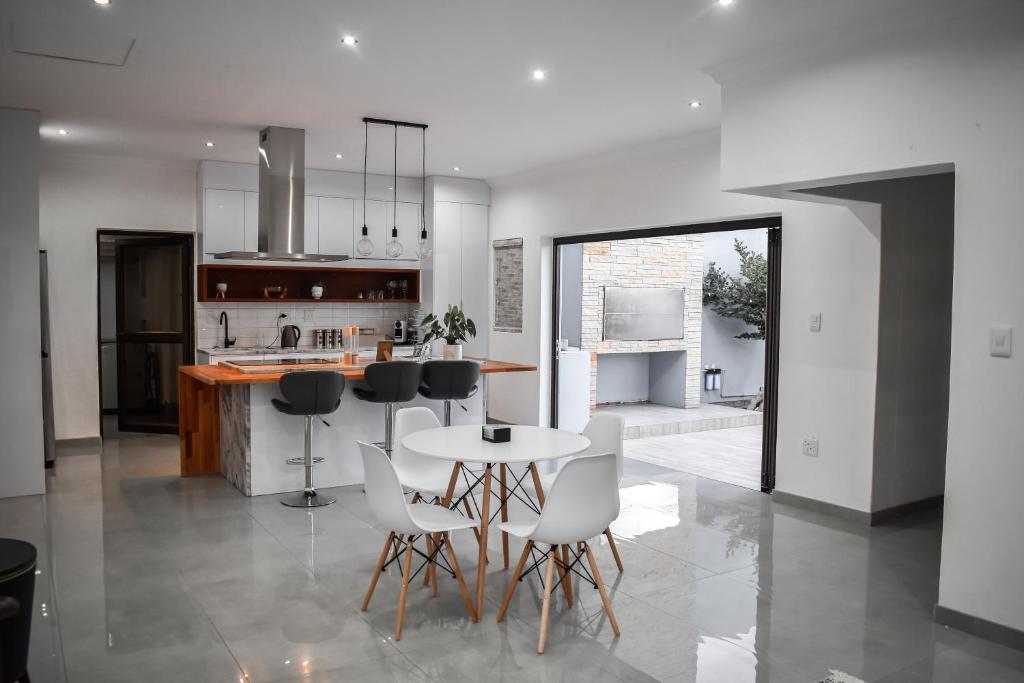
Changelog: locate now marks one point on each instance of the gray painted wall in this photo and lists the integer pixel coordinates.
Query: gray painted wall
(742, 360)
(21, 416)
(914, 331)
(623, 377)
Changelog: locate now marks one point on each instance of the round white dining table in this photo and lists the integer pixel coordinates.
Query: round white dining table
(528, 445)
(463, 443)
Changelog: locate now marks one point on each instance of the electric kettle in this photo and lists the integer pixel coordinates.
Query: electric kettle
(290, 336)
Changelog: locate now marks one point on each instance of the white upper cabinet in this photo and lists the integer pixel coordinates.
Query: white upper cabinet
(311, 227)
(252, 221)
(336, 226)
(376, 224)
(223, 221)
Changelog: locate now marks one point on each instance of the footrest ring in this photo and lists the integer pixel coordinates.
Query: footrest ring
(302, 461)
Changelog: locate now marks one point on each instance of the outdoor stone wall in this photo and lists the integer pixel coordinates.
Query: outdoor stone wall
(673, 261)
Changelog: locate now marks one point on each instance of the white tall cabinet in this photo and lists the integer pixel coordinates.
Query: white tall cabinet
(460, 264)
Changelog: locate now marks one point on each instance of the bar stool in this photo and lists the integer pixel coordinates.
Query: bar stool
(389, 382)
(449, 380)
(310, 394)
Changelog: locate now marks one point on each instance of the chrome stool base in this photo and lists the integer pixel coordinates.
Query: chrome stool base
(304, 499)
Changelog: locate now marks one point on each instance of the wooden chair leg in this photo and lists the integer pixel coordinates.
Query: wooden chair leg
(469, 513)
(398, 546)
(446, 541)
(615, 549)
(378, 570)
(604, 594)
(428, 575)
(514, 581)
(404, 594)
(546, 609)
(504, 513)
(485, 518)
(565, 575)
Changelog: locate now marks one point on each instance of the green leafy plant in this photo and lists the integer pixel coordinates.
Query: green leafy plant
(453, 328)
(744, 297)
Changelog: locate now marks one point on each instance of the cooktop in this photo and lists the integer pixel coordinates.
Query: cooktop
(281, 361)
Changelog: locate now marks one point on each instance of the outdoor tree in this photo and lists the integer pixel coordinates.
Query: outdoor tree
(743, 297)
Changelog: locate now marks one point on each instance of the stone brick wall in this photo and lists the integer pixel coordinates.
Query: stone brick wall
(508, 285)
(674, 261)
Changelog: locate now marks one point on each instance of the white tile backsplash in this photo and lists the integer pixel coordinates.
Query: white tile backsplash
(255, 324)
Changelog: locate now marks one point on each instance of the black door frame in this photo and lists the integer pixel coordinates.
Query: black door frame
(773, 224)
(187, 240)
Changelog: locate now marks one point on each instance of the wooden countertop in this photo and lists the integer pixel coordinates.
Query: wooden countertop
(218, 374)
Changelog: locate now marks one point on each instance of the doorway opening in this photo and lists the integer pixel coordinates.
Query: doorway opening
(675, 329)
(145, 320)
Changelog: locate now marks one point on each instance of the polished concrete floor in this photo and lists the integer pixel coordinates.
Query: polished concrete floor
(732, 456)
(149, 577)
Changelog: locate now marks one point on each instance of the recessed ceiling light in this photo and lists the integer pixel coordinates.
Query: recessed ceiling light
(455, 168)
(102, 3)
(349, 40)
(209, 144)
(724, 3)
(539, 74)
(695, 104)
(61, 131)
(337, 156)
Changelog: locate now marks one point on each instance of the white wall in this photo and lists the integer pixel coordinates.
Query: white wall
(951, 93)
(830, 263)
(741, 359)
(21, 421)
(78, 196)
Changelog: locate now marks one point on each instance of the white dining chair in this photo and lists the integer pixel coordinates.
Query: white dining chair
(605, 431)
(407, 523)
(427, 478)
(583, 500)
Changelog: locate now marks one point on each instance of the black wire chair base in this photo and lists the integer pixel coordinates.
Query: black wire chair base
(566, 570)
(398, 548)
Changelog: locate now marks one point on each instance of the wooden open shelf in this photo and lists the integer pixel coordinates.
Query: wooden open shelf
(341, 285)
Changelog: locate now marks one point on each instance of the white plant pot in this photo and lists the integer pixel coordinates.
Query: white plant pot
(453, 351)
(317, 292)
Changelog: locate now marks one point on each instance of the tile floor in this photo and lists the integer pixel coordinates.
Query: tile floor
(731, 455)
(150, 577)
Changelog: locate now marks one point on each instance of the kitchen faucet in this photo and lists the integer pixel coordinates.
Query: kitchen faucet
(228, 343)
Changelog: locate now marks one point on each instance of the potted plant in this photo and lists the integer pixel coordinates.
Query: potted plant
(453, 328)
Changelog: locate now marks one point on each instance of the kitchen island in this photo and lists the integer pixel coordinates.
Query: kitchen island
(227, 425)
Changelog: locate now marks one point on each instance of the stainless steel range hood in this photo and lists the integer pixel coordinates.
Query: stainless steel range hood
(282, 162)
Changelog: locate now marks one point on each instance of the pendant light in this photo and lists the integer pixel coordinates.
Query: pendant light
(393, 248)
(364, 247)
(423, 249)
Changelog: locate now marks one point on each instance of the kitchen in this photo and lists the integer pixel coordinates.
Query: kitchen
(273, 298)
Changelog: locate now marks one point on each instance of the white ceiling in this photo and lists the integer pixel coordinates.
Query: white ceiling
(620, 72)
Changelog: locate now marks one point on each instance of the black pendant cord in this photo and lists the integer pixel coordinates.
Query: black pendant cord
(423, 191)
(394, 191)
(366, 145)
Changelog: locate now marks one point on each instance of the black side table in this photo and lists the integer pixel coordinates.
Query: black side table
(18, 581)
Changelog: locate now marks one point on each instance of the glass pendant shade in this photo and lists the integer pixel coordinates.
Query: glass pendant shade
(364, 247)
(393, 248)
(423, 249)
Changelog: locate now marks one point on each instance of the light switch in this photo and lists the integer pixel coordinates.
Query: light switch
(1000, 341)
(815, 322)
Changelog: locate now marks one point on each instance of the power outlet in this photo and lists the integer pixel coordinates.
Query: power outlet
(810, 447)
(308, 315)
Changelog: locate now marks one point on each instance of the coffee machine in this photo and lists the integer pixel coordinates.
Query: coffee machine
(401, 331)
